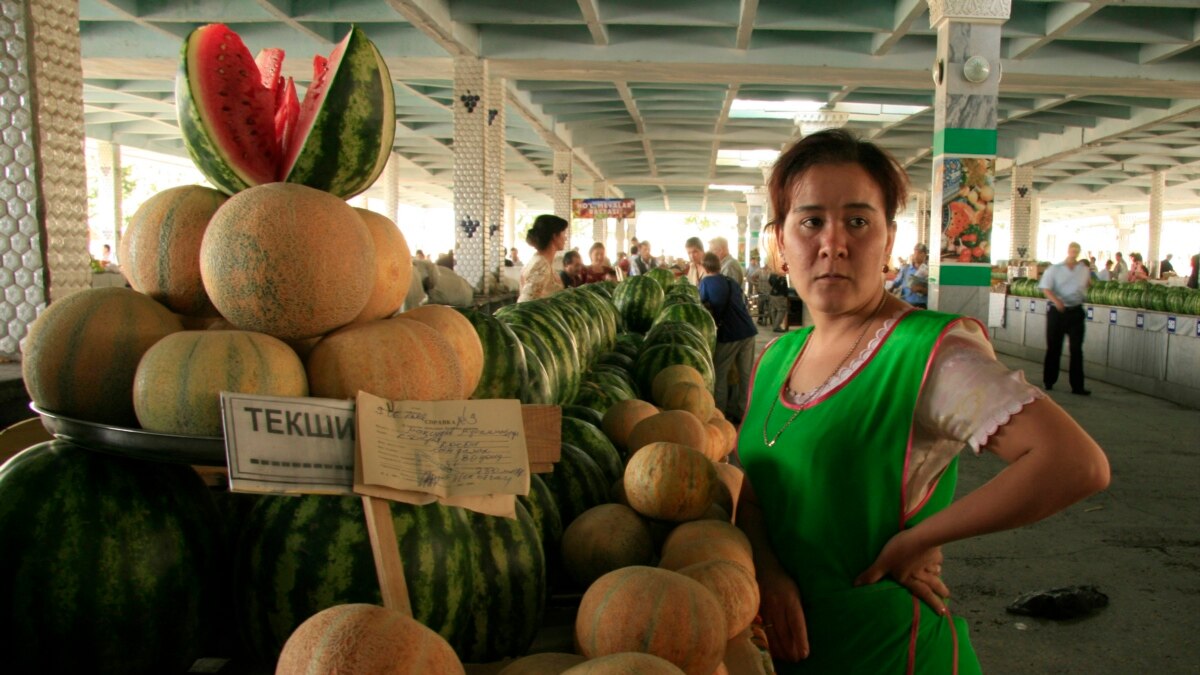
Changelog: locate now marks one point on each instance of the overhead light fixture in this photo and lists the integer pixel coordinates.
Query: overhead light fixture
(976, 69)
(749, 108)
(812, 122)
(732, 188)
(746, 159)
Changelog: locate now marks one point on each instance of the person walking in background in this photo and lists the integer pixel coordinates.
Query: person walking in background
(1165, 268)
(760, 287)
(913, 279)
(1193, 279)
(730, 267)
(1137, 268)
(572, 272)
(778, 299)
(642, 262)
(1065, 285)
(516, 261)
(548, 235)
(1105, 274)
(599, 269)
(1121, 271)
(735, 339)
(695, 266)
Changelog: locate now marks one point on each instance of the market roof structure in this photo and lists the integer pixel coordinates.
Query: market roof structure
(663, 99)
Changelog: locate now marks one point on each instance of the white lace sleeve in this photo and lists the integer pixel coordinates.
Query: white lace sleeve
(968, 396)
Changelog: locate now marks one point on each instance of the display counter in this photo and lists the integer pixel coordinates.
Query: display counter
(1154, 353)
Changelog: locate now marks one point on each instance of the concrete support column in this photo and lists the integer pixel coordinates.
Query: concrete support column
(108, 198)
(43, 222)
(923, 217)
(495, 140)
(470, 208)
(391, 188)
(1158, 183)
(563, 160)
(599, 223)
(743, 227)
(620, 243)
(967, 77)
(756, 207)
(1035, 228)
(630, 229)
(510, 222)
(1023, 231)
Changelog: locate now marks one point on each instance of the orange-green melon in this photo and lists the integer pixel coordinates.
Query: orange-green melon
(393, 267)
(605, 538)
(179, 381)
(730, 431)
(547, 663)
(732, 477)
(628, 663)
(669, 481)
(734, 587)
(702, 531)
(669, 426)
(287, 260)
(743, 657)
(160, 248)
(622, 417)
(653, 611)
(396, 359)
(677, 556)
(717, 447)
(358, 638)
(461, 333)
(81, 354)
(689, 396)
(670, 375)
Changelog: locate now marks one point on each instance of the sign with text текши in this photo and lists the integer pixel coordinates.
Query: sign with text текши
(278, 444)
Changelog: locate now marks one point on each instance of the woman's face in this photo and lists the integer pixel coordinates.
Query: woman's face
(559, 242)
(597, 256)
(836, 239)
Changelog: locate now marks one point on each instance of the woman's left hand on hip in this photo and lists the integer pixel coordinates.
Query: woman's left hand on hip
(916, 567)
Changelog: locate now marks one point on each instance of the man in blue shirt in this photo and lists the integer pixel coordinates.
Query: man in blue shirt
(913, 279)
(1065, 286)
(735, 338)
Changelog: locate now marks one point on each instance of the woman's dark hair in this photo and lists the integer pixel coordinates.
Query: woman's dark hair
(543, 230)
(711, 263)
(570, 257)
(837, 146)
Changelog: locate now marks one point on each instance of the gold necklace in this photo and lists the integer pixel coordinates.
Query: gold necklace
(813, 394)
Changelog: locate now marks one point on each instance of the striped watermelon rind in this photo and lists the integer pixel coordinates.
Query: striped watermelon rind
(504, 367)
(590, 439)
(639, 300)
(657, 357)
(109, 565)
(577, 483)
(693, 314)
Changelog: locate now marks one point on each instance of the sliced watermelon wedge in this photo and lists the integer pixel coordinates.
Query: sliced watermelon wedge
(244, 125)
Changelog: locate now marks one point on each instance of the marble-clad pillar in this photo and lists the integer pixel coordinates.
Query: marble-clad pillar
(495, 140)
(756, 205)
(1024, 194)
(743, 225)
(967, 76)
(470, 124)
(1158, 183)
(923, 217)
(43, 219)
(561, 190)
(599, 223)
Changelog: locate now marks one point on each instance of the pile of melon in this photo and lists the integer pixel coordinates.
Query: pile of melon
(279, 290)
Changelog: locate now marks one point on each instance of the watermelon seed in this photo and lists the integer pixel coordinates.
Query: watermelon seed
(220, 71)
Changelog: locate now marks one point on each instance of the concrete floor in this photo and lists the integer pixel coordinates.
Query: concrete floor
(1138, 542)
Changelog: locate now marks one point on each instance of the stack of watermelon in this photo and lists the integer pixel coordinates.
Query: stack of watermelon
(1145, 295)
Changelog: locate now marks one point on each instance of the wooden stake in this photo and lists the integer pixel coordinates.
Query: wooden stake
(388, 566)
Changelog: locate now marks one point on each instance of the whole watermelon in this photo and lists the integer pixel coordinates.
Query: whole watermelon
(504, 368)
(639, 300)
(107, 565)
(299, 555)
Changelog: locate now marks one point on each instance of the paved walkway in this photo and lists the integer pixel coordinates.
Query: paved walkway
(1138, 542)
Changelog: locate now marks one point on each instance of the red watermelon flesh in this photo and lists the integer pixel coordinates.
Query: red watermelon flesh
(240, 107)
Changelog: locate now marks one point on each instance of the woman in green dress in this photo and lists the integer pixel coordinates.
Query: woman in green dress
(853, 428)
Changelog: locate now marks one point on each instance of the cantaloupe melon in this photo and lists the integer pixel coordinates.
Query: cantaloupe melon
(160, 248)
(393, 267)
(669, 426)
(622, 417)
(670, 375)
(461, 334)
(287, 260)
(628, 663)
(652, 611)
(397, 359)
(82, 352)
(670, 482)
(689, 396)
(547, 663)
(605, 538)
(179, 381)
(734, 588)
(365, 639)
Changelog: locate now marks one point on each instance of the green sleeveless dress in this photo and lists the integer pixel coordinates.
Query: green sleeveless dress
(832, 494)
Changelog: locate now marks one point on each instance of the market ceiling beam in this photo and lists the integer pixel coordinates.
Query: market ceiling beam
(591, 14)
(640, 124)
(281, 11)
(746, 17)
(906, 12)
(1060, 18)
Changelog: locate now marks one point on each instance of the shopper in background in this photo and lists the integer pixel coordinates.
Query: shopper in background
(695, 266)
(913, 279)
(1065, 284)
(734, 355)
(1193, 280)
(730, 267)
(1165, 268)
(572, 272)
(548, 235)
(1137, 269)
(1105, 274)
(1121, 271)
(599, 269)
(640, 260)
(778, 299)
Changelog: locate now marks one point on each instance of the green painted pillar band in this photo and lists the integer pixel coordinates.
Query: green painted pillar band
(964, 275)
(964, 142)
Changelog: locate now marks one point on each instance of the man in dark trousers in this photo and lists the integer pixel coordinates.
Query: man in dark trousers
(1065, 285)
(735, 339)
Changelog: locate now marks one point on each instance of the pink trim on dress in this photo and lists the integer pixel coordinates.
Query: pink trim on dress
(905, 515)
(954, 637)
(912, 637)
(784, 398)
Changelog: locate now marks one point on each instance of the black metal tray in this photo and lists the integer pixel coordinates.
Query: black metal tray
(136, 443)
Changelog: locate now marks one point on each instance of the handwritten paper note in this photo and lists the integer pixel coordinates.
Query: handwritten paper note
(447, 449)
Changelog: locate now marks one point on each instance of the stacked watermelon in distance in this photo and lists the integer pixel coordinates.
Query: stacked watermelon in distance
(244, 125)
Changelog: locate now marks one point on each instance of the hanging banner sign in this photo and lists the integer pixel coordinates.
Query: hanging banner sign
(599, 207)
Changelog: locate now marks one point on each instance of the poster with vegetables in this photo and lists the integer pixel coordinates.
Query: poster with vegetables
(968, 192)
